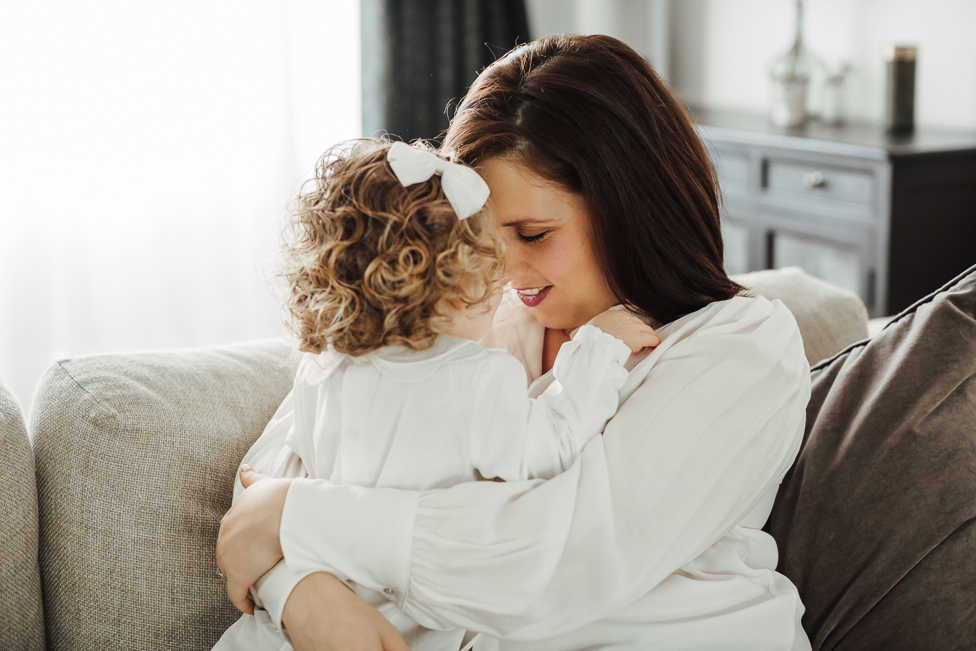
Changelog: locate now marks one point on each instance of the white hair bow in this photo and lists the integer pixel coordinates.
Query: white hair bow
(464, 187)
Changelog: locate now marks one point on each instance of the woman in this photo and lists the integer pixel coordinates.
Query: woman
(604, 195)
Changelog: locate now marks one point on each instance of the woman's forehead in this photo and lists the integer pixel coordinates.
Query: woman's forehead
(520, 197)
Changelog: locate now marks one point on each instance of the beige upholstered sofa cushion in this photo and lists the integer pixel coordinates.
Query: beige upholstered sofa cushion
(830, 318)
(22, 623)
(136, 456)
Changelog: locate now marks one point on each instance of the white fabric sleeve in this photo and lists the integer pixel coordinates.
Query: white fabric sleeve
(271, 456)
(515, 437)
(710, 429)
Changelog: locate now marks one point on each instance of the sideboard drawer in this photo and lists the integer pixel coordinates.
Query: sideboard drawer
(850, 191)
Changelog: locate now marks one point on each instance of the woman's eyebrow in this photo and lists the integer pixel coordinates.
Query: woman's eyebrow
(529, 222)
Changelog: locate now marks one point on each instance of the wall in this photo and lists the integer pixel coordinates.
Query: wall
(148, 151)
(643, 24)
(718, 51)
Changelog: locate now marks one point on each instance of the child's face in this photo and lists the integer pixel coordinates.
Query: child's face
(484, 314)
(473, 322)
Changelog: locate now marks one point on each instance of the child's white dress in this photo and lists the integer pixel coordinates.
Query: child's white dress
(416, 420)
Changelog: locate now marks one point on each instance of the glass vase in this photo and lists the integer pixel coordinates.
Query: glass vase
(791, 75)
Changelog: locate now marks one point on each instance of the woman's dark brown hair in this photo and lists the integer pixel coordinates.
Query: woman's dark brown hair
(590, 114)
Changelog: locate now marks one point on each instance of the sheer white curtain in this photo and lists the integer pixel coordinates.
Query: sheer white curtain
(147, 153)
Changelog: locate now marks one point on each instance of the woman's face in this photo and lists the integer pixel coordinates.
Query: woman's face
(550, 259)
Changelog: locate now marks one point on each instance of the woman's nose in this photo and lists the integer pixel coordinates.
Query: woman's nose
(513, 266)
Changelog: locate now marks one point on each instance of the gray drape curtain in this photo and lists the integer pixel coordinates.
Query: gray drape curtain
(419, 56)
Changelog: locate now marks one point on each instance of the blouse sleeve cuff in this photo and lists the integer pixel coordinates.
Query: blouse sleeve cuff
(619, 350)
(362, 535)
(275, 587)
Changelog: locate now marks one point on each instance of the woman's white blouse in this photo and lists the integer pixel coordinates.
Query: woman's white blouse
(651, 539)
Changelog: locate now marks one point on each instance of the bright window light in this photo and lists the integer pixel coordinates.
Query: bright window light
(147, 153)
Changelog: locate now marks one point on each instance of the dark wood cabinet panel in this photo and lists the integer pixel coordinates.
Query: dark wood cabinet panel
(889, 218)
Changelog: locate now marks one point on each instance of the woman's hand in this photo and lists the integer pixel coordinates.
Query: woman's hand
(248, 543)
(628, 328)
(322, 613)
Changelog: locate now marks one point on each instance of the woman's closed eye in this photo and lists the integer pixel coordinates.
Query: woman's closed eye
(535, 237)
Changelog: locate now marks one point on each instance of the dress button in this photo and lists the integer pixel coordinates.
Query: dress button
(352, 432)
(388, 591)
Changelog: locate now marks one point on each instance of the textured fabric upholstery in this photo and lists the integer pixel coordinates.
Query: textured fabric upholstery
(830, 318)
(136, 456)
(876, 522)
(22, 623)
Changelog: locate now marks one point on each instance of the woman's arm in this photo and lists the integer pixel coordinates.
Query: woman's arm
(274, 459)
(318, 611)
(323, 613)
(247, 546)
(713, 426)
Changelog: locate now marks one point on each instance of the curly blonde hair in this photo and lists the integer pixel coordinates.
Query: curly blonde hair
(367, 262)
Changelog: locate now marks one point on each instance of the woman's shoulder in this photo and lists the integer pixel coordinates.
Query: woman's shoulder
(735, 358)
(741, 315)
(744, 332)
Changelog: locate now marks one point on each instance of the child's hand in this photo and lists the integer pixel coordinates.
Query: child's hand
(628, 328)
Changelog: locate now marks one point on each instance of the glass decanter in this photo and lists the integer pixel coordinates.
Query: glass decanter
(791, 75)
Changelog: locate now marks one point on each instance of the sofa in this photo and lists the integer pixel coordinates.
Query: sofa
(114, 495)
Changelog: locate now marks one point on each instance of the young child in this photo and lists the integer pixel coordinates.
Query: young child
(394, 272)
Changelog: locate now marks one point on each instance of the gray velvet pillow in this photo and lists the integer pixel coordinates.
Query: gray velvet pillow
(876, 522)
(136, 456)
(22, 622)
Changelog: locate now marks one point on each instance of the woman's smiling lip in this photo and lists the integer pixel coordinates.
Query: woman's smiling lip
(532, 296)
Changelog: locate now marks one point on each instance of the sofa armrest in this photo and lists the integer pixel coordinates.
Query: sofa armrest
(136, 457)
(830, 318)
(20, 598)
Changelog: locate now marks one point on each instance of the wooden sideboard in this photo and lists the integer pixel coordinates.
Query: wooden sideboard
(890, 218)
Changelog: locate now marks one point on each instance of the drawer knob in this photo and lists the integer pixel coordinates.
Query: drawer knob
(814, 181)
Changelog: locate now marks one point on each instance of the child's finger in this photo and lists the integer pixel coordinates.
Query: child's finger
(651, 335)
(647, 341)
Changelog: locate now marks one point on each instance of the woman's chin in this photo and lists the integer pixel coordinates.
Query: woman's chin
(555, 321)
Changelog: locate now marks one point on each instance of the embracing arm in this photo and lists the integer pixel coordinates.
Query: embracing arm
(272, 457)
(323, 613)
(316, 609)
(515, 437)
(713, 426)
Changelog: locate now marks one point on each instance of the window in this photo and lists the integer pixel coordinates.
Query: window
(147, 154)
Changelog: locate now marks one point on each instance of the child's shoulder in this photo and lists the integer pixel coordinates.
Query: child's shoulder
(498, 365)
(316, 368)
(499, 357)
(400, 362)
